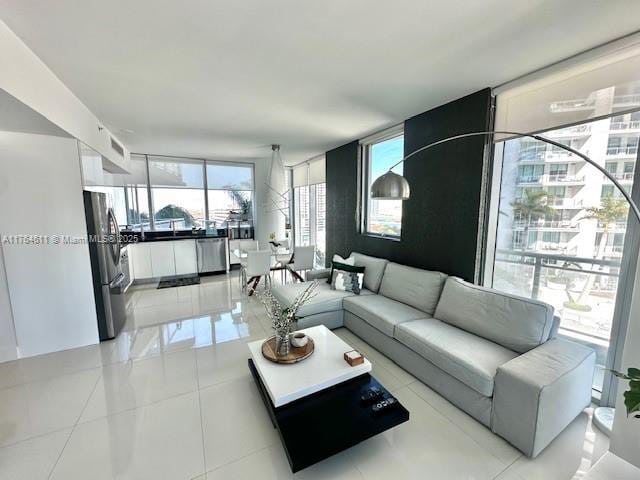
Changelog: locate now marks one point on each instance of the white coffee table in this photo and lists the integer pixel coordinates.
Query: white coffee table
(325, 368)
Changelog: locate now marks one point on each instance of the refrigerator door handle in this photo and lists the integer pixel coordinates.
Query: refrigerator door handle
(114, 231)
(117, 281)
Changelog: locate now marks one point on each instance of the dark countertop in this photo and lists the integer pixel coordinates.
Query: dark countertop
(135, 237)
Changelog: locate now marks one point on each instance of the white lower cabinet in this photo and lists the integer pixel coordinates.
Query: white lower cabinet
(140, 260)
(162, 259)
(185, 257)
(163, 262)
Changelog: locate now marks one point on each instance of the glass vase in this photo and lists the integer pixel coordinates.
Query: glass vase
(282, 343)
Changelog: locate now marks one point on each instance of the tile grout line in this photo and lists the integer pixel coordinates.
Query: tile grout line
(459, 428)
(239, 459)
(507, 467)
(148, 404)
(95, 385)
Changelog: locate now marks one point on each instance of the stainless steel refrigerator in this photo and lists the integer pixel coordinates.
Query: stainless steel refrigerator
(104, 248)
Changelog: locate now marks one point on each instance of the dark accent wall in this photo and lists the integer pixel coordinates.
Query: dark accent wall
(440, 220)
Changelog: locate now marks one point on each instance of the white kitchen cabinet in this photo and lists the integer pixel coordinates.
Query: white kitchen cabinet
(140, 260)
(185, 256)
(163, 263)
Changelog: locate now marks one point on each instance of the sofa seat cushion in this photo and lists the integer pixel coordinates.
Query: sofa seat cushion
(381, 312)
(325, 299)
(416, 287)
(517, 323)
(471, 359)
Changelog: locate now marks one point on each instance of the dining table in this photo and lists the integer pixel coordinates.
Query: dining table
(280, 258)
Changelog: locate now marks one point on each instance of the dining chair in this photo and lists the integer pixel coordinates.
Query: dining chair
(246, 246)
(302, 260)
(282, 259)
(258, 266)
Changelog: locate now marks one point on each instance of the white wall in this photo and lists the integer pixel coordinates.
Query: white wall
(8, 346)
(50, 285)
(28, 79)
(625, 438)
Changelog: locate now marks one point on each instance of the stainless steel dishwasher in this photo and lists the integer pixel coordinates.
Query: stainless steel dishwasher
(212, 255)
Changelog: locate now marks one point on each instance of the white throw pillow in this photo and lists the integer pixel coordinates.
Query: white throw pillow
(347, 261)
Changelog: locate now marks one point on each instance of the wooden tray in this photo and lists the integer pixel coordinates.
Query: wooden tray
(296, 354)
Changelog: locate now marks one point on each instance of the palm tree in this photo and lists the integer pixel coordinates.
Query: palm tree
(533, 206)
(610, 211)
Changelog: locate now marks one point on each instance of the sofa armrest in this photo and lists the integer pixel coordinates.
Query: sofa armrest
(537, 394)
(318, 274)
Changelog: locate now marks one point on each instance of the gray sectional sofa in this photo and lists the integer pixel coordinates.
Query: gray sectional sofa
(494, 355)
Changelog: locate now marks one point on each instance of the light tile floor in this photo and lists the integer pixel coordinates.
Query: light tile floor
(172, 398)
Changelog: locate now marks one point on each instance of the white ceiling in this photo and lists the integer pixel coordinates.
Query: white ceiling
(224, 79)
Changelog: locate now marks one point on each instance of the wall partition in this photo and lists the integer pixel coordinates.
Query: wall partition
(559, 230)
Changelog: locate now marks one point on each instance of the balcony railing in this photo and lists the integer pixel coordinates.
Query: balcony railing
(564, 202)
(550, 178)
(562, 178)
(532, 179)
(546, 224)
(571, 131)
(619, 225)
(612, 250)
(628, 176)
(630, 100)
(622, 151)
(564, 281)
(633, 125)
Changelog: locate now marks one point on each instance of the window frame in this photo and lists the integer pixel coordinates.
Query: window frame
(364, 178)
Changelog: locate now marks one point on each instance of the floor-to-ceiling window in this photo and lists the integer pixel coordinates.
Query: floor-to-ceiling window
(558, 223)
(177, 192)
(309, 207)
(560, 235)
(136, 189)
(162, 193)
(229, 188)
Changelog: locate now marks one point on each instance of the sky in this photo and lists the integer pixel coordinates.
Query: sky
(385, 154)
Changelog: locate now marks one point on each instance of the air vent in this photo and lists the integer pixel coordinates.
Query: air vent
(117, 147)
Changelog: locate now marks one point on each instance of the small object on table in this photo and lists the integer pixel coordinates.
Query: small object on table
(370, 395)
(298, 340)
(353, 358)
(294, 355)
(384, 405)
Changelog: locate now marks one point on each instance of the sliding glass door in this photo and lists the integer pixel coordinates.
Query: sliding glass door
(561, 225)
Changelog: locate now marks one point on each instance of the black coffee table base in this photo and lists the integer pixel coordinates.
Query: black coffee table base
(320, 425)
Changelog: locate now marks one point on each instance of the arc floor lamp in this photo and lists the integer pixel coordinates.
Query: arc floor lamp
(391, 186)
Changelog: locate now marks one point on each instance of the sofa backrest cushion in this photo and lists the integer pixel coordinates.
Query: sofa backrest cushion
(373, 270)
(517, 323)
(415, 287)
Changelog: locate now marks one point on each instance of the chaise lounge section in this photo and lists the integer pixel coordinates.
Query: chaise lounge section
(494, 355)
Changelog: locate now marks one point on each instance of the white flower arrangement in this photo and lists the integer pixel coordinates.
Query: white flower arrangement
(283, 318)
